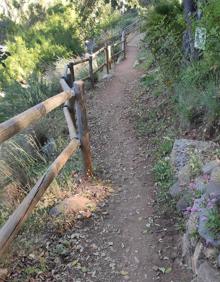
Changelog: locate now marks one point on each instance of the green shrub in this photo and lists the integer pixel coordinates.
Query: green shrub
(164, 25)
(163, 174)
(211, 21)
(19, 98)
(213, 222)
(196, 84)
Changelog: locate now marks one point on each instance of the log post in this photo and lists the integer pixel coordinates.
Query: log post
(71, 68)
(82, 126)
(106, 59)
(123, 43)
(110, 56)
(91, 74)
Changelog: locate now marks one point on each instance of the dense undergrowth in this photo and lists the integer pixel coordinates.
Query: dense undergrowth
(183, 93)
(193, 84)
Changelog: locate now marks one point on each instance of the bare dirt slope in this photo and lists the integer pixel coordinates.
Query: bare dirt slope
(118, 243)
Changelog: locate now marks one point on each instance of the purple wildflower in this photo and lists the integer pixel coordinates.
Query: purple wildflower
(194, 209)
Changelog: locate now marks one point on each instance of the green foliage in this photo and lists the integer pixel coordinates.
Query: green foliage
(196, 105)
(39, 39)
(196, 84)
(194, 235)
(195, 164)
(38, 44)
(163, 174)
(164, 26)
(211, 21)
(165, 147)
(60, 33)
(19, 98)
(213, 222)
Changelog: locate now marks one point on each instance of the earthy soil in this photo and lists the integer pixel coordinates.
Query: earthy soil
(127, 238)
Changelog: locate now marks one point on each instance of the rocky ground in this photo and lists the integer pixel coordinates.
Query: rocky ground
(197, 192)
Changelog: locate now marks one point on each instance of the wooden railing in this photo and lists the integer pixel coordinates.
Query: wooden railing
(72, 99)
(110, 56)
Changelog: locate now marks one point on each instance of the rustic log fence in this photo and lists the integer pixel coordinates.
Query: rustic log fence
(72, 99)
(111, 54)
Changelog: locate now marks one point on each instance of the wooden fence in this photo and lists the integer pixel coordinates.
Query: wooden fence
(72, 99)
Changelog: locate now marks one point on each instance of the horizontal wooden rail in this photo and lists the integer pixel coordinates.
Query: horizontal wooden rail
(80, 61)
(118, 53)
(109, 55)
(130, 26)
(86, 78)
(99, 68)
(13, 224)
(16, 124)
(98, 52)
(118, 43)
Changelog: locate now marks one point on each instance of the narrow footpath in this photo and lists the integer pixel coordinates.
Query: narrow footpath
(116, 244)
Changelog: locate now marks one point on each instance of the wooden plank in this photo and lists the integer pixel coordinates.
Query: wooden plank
(72, 71)
(118, 53)
(91, 73)
(118, 43)
(82, 126)
(69, 121)
(16, 124)
(86, 78)
(81, 61)
(106, 59)
(15, 221)
(98, 52)
(99, 68)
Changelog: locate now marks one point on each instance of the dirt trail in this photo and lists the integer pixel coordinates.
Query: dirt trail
(125, 164)
(116, 244)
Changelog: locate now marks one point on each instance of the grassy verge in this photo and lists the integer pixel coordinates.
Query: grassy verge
(157, 124)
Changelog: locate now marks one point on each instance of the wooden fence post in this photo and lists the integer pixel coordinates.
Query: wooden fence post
(82, 126)
(91, 74)
(123, 43)
(106, 58)
(110, 56)
(72, 72)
